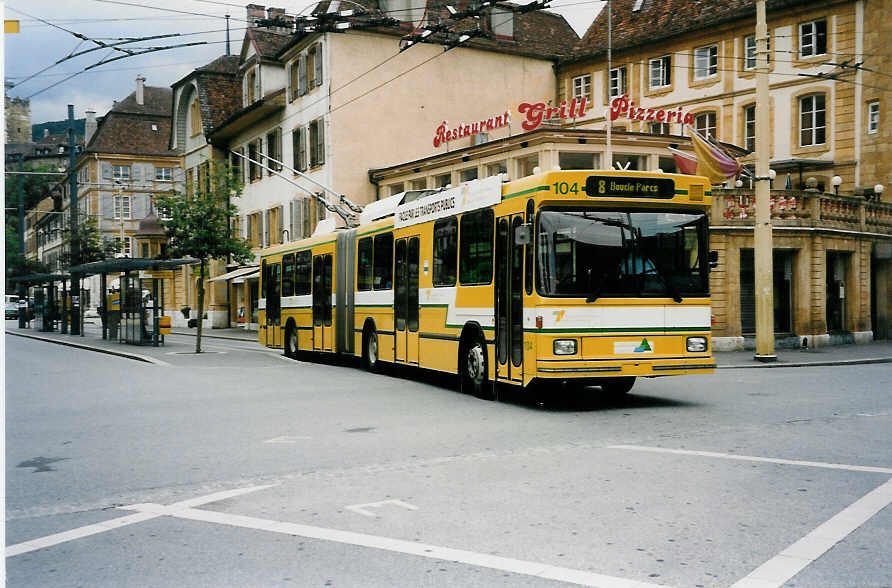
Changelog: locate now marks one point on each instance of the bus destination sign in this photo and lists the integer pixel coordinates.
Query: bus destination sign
(629, 187)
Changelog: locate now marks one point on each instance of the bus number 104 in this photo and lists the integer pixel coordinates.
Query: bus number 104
(566, 188)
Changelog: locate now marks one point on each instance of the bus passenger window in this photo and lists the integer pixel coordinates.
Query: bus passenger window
(445, 251)
(475, 264)
(364, 264)
(288, 275)
(303, 273)
(383, 265)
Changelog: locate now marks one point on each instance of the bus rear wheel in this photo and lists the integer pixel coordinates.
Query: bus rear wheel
(618, 386)
(291, 342)
(370, 351)
(473, 370)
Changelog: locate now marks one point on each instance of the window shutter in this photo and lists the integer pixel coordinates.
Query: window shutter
(317, 64)
(257, 95)
(290, 83)
(264, 231)
(305, 217)
(106, 170)
(320, 141)
(302, 76)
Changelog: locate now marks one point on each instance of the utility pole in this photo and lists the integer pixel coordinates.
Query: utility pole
(762, 232)
(75, 237)
(608, 152)
(20, 188)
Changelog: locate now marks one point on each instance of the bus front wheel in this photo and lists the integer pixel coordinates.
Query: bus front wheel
(474, 370)
(618, 386)
(291, 342)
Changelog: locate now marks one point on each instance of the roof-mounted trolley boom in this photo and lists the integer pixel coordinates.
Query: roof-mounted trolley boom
(341, 206)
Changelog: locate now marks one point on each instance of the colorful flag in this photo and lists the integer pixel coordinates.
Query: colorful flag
(712, 162)
(685, 162)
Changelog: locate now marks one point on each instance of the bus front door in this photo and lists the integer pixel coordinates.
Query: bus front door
(323, 335)
(405, 300)
(508, 303)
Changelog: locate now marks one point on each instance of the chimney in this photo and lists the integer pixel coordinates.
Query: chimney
(275, 13)
(255, 12)
(89, 126)
(140, 90)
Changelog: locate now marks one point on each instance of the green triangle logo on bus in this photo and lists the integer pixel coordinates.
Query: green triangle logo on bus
(644, 346)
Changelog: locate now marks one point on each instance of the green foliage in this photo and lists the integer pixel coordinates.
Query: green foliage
(200, 226)
(92, 246)
(16, 264)
(36, 187)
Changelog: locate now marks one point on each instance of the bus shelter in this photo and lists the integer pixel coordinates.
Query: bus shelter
(132, 314)
(42, 304)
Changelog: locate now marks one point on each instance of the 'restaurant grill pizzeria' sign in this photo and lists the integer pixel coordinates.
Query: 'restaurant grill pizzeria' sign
(536, 113)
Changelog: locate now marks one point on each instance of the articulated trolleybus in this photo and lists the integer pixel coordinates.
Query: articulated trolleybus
(589, 277)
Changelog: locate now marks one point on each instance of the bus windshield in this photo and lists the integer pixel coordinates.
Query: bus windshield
(596, 253)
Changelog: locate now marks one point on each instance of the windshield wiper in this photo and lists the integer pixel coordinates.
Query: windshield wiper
(670, 287)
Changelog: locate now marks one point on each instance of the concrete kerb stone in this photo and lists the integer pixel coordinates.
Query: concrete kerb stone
(796, 364)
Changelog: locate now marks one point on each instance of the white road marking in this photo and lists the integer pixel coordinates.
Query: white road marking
(777, 570)
(529, 568)
(110, 525)
(361, 508)
(288, 439)
(813, 464)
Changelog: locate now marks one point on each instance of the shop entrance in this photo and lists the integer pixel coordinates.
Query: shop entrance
(782, 261)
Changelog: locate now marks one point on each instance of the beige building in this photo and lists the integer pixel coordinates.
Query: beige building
(832, 245)
(332, 105)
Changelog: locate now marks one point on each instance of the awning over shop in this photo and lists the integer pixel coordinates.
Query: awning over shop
(234, 273)
(242, 279)
(40, 278)
(126, 264)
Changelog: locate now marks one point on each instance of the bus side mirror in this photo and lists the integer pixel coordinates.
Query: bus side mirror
(713, 259)
(523, 234)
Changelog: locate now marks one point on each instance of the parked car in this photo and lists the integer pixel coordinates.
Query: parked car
(12, 306)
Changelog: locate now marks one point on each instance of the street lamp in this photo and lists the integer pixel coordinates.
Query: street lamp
(836, 181)
(878, 190)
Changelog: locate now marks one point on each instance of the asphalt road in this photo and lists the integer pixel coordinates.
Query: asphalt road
(241, 468)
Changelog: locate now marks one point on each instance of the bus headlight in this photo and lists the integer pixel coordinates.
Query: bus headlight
(696, 344)
(565, 346)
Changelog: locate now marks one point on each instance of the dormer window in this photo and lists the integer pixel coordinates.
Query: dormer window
(252, 87)
(501, 22)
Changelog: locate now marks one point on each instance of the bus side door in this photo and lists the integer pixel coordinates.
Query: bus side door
(323, 335)
(273, 305)
(508, 303)
(405, 300)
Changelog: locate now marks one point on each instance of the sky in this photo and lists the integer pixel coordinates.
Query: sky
(49, 29)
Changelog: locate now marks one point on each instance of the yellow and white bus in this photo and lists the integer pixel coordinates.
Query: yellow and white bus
(595, 277)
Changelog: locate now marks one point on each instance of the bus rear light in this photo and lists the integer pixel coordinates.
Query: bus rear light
(538, 322)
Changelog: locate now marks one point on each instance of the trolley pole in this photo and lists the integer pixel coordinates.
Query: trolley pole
(75, 237)
(20, 189)
(762, 232)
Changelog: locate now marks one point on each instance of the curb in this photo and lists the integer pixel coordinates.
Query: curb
(133, 356)
(808, 363)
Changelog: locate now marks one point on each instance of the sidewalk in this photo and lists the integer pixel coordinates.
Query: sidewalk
(876, 352)
(175, 343)
(182, 340)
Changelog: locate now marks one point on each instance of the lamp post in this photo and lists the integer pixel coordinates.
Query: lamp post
(836, 181)
(878, 190)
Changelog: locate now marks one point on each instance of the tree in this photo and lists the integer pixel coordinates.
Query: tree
(92, 246)
(200, 225)
(35, 187)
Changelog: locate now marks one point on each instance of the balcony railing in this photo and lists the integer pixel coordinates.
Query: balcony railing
(803, 208)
